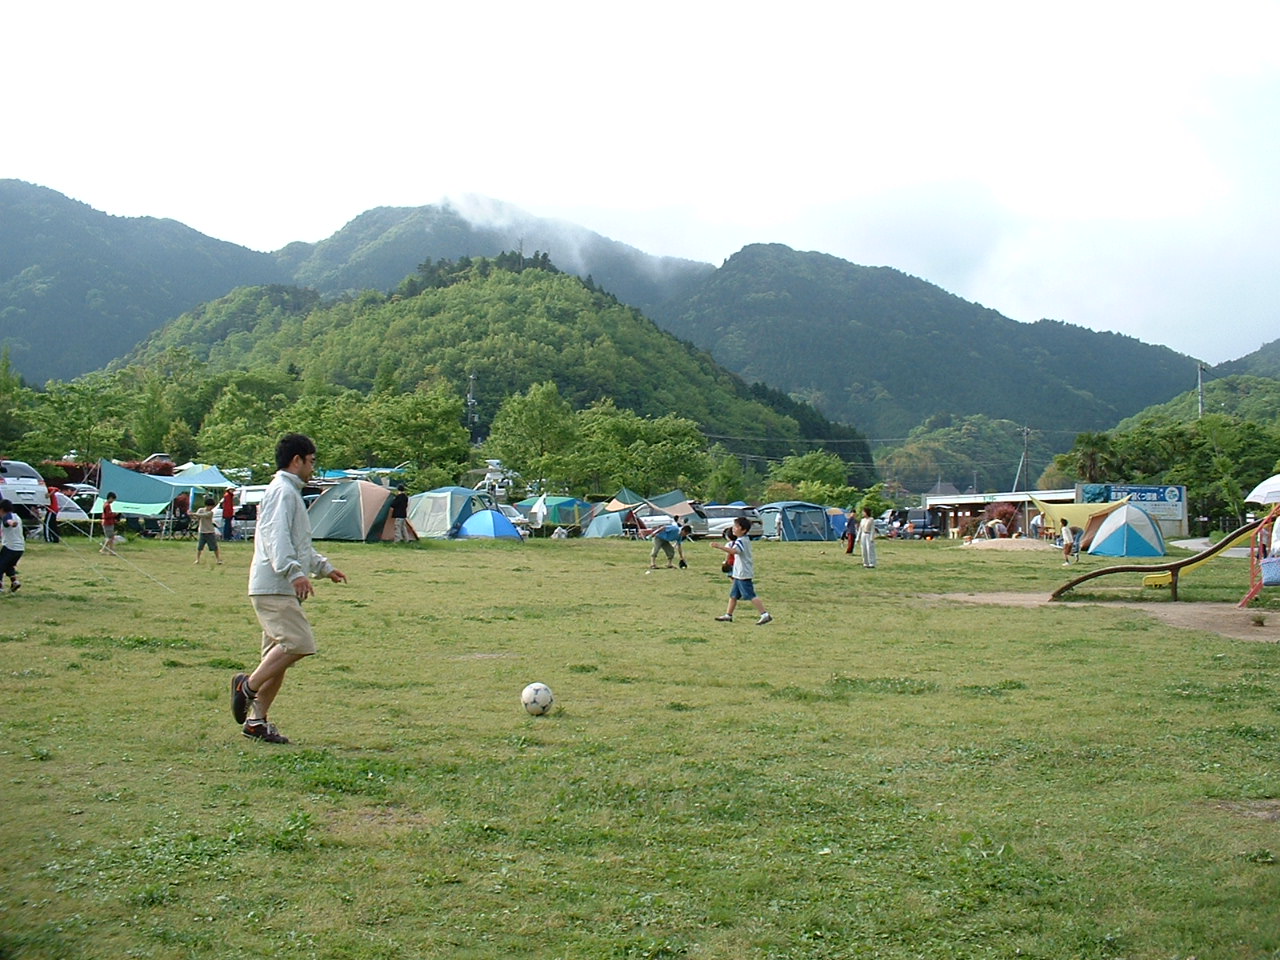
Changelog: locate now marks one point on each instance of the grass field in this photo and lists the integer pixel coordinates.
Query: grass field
(878, 773)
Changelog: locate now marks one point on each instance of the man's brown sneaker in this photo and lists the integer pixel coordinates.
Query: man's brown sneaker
(240, 696)
(261, 730)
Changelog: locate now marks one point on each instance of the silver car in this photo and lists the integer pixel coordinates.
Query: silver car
(720, 518)
(21, 485)
(655, 519)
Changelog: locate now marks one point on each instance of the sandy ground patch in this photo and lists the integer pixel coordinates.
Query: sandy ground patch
(1225, 619)
(1012, 543)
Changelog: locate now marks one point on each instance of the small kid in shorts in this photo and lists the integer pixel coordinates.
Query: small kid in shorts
(739, 548)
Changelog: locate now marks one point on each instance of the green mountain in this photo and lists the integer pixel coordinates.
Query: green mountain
(79, 288)
(973, 452)
(1248, 398)
(109, 281)
(869, 346)
(509, 329)
(1263, 362)
(875, 347)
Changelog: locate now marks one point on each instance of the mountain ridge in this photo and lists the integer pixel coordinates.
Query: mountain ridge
(892, 350)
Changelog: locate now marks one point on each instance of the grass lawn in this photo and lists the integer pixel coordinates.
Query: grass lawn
(878, 773)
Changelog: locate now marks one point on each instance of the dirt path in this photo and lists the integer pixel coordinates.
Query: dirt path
(1225, 619)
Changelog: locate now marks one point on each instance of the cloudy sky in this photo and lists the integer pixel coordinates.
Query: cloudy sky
(1114, 165)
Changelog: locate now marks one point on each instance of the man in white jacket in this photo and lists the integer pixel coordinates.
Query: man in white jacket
(279, 580)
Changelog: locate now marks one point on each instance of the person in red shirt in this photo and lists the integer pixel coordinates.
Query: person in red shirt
(109, 520)
(51, 532)
(228, 511)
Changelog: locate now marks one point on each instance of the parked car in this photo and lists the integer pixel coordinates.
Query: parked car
(77, 490)
(22, 486)
(910, 524)
(720, 518)
(655, 519)
(518, 519)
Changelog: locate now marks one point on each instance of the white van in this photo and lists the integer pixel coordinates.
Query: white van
(21, 485)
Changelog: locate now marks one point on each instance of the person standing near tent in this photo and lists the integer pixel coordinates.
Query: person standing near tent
(400, 514)
(228, 514)
(1037, 526)
(109, 520)
(12, 545)
(670, 540)
(1069, 534)
(51, 532)
(206, 530)
(867, 537)
(744, 571)
(279, 581)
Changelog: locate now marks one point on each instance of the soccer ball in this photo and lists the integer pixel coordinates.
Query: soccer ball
(537, 698)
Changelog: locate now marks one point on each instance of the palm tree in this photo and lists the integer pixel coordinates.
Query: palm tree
(1094, 458)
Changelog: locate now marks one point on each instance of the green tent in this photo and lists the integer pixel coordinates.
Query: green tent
(356, 510)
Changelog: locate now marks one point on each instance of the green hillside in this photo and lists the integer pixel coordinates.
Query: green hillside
(1263, 362)
(510, 329)
(78, 288)
(867, 346)
(1250, 399)
(969, 452)
(874, 347)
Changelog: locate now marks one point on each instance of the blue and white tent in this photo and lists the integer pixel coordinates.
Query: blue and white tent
(440, 513)
(1128, 531)
(490, 525)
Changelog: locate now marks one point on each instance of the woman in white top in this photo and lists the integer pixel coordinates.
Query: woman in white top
(867, 537)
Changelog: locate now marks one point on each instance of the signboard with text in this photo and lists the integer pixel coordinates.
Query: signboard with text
(1163, 503)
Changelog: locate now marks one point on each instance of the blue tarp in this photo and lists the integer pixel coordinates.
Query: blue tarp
(147, 495)
(136, 493)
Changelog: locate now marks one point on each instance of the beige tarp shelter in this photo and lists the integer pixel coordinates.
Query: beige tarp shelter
(1086, 516)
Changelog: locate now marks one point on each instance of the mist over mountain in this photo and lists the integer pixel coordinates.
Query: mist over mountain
(382, 246)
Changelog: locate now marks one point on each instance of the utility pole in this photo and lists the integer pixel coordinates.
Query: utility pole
(1200, 389)
(1026, 480)
(1026, 456)
(473, 415)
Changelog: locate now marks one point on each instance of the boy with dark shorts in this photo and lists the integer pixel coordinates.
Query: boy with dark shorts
(739, 549)
(12, 546)
(206, 530)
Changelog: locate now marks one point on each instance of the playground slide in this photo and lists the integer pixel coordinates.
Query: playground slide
(1173, 568)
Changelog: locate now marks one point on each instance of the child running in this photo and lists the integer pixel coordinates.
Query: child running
(739, 548)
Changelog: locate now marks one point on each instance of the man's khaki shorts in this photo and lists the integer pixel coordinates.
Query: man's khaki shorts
(283, 624)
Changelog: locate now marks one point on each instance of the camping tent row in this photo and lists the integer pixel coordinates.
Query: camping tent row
(608, 519)
(361, 510)
(783, 520)
(353, 510)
